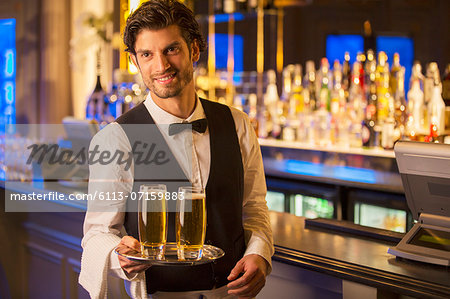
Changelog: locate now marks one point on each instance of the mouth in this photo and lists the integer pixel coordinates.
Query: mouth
(166, 79)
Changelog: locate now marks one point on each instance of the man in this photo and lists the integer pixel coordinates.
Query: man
(164, 41)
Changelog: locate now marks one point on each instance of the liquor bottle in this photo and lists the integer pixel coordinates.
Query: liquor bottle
(310, 84)
(95, 103)
(416, 103)
(388, 132)
(436, 107)
(324, 93)
(400, 106)
(356, 94)
(370, 66)
(370, 131)
(356, 106)
(297, 90)
(252, 99)
(340, 124)
(383, 92)
(301, 108)
(369, 37)
(322, 122)
(428, 84)
(271, 99)
(229, 6)
(446, 86)
(293, 90)
(396, 67)
(416, 75)
(287, 84)
(387, 124)
(361, 58)
(346, 74)
(337, 101)
(284, 105)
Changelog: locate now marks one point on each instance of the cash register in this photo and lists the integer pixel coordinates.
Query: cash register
(425, 173)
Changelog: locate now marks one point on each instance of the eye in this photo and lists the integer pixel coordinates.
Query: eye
(172, 50)
(145, 54)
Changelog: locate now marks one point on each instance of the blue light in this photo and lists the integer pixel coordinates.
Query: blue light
(346, 173)
(355, 174)
(9, 65)
(7, 75)
(304, 168)
(222, 53)
(9, 93)
(338, 44)
(222, 18)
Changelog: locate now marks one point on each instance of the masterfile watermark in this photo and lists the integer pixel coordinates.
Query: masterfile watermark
(141, 153)
(59, 168)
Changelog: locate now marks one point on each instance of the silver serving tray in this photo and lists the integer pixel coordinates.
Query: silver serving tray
(210, 253)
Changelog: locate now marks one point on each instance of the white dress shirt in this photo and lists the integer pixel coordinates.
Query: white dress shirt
(113, 178)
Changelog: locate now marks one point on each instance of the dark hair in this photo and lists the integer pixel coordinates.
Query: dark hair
(159, 14)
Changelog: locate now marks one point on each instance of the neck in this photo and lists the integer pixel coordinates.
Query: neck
(180, 106)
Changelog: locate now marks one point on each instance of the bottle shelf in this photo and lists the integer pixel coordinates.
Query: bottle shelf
(373, 152)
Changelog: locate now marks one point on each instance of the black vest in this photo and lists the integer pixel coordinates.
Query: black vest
(224, 195)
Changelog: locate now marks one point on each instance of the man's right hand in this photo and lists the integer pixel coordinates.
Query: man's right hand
(127, 245)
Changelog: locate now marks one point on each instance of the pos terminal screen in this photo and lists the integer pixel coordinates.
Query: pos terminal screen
(431, 238)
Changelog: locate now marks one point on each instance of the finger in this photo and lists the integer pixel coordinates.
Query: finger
(132, 266)
(245, 279)
(236, 271)
(131, 242)
(245, 288)
(125, 262)
(249, 290)
(252, 291)
(136, 269)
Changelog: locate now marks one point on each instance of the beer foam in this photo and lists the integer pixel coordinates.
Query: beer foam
(198, 196)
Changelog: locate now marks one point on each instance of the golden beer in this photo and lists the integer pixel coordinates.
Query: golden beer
(152, 221)
(191, 225)
(152, 228)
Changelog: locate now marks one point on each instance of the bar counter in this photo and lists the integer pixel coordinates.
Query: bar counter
(357, 263)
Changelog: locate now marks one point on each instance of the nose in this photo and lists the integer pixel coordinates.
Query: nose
(161, 63)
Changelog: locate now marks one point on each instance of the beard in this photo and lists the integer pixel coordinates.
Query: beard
(174, 88)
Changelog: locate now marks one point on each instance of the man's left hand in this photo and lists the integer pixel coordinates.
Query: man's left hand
(254, 269)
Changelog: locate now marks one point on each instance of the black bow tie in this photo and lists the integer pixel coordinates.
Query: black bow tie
(198, 125)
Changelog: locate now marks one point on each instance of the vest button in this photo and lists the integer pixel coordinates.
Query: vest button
(209, 242)
(216, 278)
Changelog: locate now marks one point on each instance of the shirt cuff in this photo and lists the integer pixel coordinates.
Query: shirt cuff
(257, 245)
(116, 270)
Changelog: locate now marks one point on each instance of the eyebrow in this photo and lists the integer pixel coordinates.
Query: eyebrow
(174, 44)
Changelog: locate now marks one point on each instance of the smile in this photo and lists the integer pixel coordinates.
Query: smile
(166, 79)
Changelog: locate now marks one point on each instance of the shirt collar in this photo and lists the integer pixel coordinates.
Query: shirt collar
(161, 116)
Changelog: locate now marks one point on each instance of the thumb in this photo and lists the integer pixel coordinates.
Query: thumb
(236, 270)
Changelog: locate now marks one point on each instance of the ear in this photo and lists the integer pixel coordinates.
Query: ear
(195, 51)
(133, 59)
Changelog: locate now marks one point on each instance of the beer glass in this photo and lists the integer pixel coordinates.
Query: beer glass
(152, 218)
(190, 223)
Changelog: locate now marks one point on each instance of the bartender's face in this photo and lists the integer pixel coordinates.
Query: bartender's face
(164, 60)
